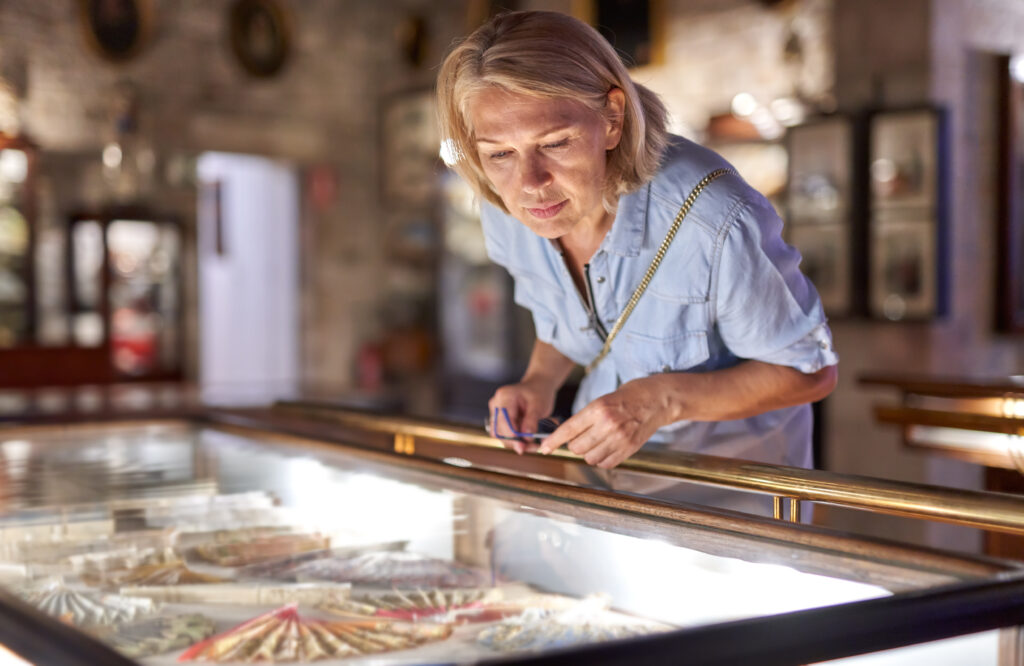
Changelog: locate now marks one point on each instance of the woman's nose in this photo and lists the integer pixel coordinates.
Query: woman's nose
(536, 175)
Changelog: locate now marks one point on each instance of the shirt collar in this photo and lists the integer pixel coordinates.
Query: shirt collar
(626, 236)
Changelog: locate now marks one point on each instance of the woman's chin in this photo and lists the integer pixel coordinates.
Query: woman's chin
(550, 229)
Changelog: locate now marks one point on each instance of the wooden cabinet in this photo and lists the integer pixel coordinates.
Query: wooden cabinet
(119, 304)
(978, 420)
(124, 269)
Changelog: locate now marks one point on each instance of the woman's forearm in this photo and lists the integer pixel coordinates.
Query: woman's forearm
(547, 366)
(744, 390)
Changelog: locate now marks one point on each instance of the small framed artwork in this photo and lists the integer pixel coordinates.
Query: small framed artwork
(825, 252)
(820, 171)
(818, 205)
(1010, 202)
(906, 258)
(904, 158)
(904, 269)
(260, 36)
(410, 160)
(116, 29)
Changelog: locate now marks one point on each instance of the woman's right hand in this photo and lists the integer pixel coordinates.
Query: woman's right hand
(527, 402)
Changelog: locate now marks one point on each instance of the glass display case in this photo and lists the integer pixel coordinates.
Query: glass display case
(219, 539)
(126, 291)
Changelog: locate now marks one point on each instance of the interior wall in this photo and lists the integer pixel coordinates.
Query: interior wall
(913, 53)
(320, 110)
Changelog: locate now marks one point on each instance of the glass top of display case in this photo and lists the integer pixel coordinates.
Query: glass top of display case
(173, 542)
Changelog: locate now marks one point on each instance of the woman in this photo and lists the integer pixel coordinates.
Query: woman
(581, 184)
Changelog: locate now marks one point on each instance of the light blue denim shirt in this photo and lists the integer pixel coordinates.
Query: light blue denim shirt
(728, 289)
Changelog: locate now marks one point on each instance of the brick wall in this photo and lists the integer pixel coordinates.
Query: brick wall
(321, 109)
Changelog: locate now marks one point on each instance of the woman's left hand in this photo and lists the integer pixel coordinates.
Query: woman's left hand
(614, 426)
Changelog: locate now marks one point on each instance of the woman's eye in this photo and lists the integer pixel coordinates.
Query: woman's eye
(498, 155)
(558, 144)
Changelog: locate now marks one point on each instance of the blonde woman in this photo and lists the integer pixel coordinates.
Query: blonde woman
(722, 348)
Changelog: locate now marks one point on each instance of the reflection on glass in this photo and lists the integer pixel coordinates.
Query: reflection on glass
(87, 287)
(143, 296)
(14, 248)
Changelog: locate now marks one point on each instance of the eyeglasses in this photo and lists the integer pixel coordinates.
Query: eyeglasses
(545, 427)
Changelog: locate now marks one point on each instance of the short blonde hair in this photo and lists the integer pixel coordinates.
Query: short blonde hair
(548, 55)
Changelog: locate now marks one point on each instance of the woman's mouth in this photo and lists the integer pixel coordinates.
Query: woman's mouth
(544, 212)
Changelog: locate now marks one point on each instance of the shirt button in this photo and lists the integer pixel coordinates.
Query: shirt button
(600, 279)
(823, 344)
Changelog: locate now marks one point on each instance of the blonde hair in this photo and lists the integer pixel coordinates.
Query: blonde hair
(548, 55)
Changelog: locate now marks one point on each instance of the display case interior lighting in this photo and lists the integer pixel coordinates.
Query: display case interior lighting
(959, 438)
(374, 508)
(8, 658)
(568, 558)
(959, 419)
(1013, 408)
(1001, 407)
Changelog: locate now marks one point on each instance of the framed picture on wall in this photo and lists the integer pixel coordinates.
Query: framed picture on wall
(904, 268)
(904, 162)
(116, 29)
(906, 257)
(819, 201)
(260, 36)
(825, 252)
(410, 146)
(1010, 195)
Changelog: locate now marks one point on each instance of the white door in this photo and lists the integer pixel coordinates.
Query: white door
(248, 278)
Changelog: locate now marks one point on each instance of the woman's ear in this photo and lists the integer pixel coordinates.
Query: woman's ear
(615, 106)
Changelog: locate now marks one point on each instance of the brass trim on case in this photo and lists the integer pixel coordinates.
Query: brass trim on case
(987, 510)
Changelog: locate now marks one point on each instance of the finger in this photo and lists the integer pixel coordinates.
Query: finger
(531, 415)
(586, 442)
(599, 452)
(568, 431)
(613, 459)
(499, 425)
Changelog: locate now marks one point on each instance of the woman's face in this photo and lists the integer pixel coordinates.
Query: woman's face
(545, 157)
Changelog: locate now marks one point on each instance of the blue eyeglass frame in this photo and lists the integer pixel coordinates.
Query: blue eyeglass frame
(545, 427)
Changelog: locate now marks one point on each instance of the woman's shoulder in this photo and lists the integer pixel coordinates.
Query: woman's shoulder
(684, 164)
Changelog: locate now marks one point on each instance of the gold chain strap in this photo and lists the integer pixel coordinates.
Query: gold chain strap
(639, 291)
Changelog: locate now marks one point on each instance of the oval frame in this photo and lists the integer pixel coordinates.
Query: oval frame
(106, 37)
(277, 32)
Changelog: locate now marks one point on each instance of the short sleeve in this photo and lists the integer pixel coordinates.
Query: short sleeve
(499, 238)
(495, 233)
(766, 309)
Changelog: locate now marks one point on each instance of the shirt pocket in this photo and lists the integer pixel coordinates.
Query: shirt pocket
(645, 355)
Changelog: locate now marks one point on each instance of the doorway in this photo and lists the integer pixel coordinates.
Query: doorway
(248, 231)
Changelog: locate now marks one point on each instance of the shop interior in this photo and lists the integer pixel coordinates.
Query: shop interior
(238, 203)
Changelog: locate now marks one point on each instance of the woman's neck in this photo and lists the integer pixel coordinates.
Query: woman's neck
(582, 241)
